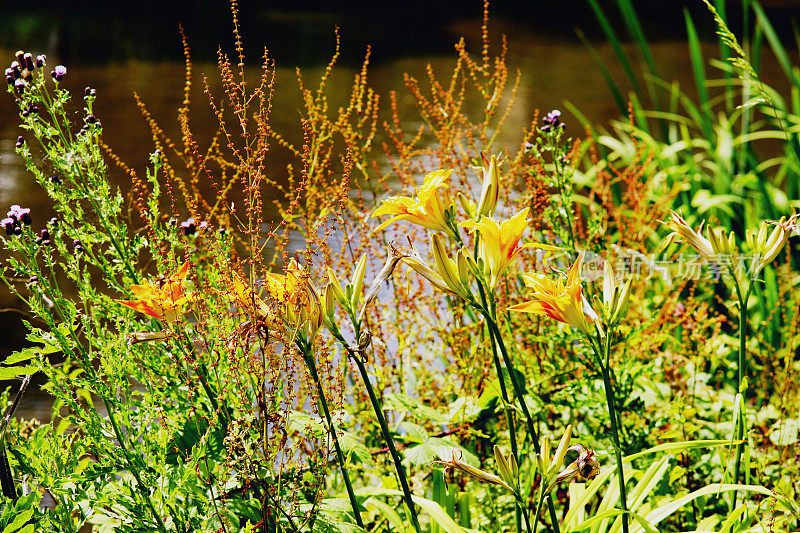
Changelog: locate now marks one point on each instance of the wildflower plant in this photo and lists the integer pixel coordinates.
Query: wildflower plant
(394, 344)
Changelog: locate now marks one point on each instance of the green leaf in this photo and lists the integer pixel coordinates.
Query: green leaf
(9, 373)
(662, 512)
(352, 445)
(388, 512)
(18, 521)
(434, 511)
(414, 407)
(419, 455)
(413, 432)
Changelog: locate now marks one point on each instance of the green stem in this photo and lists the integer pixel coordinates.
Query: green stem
(107, 403)
(312, 369)
(538, 507)
(508, 408)
(398, 463)
(612, 414)
(742, 374)
(521, 396)
(512, 427)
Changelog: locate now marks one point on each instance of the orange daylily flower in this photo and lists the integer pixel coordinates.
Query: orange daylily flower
(499, 242)
(163, 299)
(429, 207)
(559, 301)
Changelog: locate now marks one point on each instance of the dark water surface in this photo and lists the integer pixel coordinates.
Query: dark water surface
(553, 70)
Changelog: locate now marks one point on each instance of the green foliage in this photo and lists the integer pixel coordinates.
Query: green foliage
(196, 388)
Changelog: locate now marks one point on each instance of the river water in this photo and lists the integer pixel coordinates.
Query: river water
(553, 71)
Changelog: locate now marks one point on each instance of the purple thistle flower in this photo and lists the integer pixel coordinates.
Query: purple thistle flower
(59, 72)
(28, 57)
(188, 227)
(21, 214)
(552, 120)
(41, 60)
(15, 70)
(20, 141)
(43, 238)
(10, 225)
(19, 85)
(78, 245)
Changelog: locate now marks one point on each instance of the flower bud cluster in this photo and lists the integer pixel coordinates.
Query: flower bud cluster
(16, 218)
(552, 121)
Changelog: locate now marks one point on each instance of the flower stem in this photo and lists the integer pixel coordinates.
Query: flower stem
(518, 392)
(512, 427)
(742, 374)
(312, 369)
(376, 406)
(612, 414)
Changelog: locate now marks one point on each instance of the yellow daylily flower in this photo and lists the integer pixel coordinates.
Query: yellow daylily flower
(244, 297)
(680, 228)
(559, 301)
(428, 209)
(162, 299)
(499, 243)
(301, 306)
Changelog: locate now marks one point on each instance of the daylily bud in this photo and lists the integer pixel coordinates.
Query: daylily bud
(469, 207)
(722, 245)
(769, 246)
(337, 288)
(415, 262)
(504, 467)
(330, 300)
(615, 297)
(561, 451)
(358, 281)
(480, 475)
(490, 193)
(446, 267)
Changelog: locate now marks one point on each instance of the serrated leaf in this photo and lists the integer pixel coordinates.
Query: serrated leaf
(413, 432)
(351, 445)
(420, 455)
